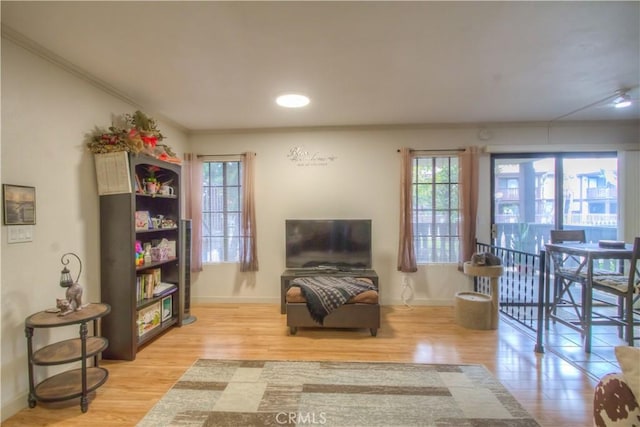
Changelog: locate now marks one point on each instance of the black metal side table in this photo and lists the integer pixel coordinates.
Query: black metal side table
(75, 382)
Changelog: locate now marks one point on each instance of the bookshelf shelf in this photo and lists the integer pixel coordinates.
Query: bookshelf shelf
(128, 287)
(156, 332)
(148, 301)
(157, 196)
(154, 264)
(156, 230)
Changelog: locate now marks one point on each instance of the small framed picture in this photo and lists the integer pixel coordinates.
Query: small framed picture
(143, 220)
(167, 307)
(19, 204)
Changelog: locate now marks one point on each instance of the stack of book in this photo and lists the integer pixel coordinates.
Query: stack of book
(163, 289)
(146, 283)
(150, 285)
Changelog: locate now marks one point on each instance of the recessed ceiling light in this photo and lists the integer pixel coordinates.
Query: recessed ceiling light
(292, 100)
(622, 101)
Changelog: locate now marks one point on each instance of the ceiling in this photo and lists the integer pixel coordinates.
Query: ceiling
(219, 65)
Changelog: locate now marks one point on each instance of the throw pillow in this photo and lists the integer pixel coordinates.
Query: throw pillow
(629, 360)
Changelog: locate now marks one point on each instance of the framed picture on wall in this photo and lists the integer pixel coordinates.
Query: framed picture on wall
(19, 204)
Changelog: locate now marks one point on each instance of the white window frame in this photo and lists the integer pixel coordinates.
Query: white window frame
(444, 246)
(229, 250)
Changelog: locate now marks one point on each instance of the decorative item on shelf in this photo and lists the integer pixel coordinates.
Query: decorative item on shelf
(168, 223)
(166, 190)
(147, 253)
(142, 220)
(73, 295)
(161, 251)
(151, 182)
(151, 187)
(134, 133)
(139, 253)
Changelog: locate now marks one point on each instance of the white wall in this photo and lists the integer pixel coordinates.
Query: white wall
(46, 113)
(629, 171)
(363, 182)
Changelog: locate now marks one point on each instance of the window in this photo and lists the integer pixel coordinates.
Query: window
(435, 209)
(504, 183)
(221, 211)
(555, 191)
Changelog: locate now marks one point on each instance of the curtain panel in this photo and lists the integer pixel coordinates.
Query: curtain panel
(468, 163)
(406, 251)
(192, 172)
(249, 247)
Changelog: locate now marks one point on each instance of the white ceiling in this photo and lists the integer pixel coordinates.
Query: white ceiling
(219, 65)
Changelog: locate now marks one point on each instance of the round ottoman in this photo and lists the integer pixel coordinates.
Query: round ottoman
(473, 310)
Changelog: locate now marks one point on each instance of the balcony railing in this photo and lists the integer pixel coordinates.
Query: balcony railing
(591, 219)
(520, 286)
(602, 193)
(508, 194)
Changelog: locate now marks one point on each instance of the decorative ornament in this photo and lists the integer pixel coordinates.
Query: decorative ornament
(134, 133)
(73, 295)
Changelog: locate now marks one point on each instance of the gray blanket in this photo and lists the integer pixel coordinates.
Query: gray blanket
(326, 293)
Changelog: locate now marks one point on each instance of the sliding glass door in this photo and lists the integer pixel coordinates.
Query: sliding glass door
(535, 193)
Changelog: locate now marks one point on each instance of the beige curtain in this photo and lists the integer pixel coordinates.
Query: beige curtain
(249, 248)
(468, 168)
(406, 251)
(192, 173)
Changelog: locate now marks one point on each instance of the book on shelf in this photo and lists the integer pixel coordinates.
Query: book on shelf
(147, 282)
(167, 308)
(164, 288)
(149, 318)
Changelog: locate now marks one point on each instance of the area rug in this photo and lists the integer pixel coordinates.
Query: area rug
(287, 393)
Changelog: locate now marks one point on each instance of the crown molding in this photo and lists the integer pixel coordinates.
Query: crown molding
(42, 52)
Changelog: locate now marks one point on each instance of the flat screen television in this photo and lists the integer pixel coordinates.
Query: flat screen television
(342, 244)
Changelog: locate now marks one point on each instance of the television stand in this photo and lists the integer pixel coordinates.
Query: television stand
(288, 275)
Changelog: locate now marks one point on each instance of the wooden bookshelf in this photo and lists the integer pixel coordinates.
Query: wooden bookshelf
(118, 236)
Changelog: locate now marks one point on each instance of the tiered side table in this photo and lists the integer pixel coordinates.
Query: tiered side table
(75, 382)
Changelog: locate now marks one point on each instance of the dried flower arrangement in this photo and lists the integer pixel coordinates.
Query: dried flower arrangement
(135, 133)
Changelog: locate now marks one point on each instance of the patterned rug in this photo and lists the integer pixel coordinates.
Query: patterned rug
(286, 393)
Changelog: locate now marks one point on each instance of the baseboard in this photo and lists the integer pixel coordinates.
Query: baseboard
(423, 301)
(270, 300)
(235, 300)
(16, 405)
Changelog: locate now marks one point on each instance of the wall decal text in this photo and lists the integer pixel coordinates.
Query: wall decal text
(302, 157)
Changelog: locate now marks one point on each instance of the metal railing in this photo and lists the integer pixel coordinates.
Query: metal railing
(521, 287)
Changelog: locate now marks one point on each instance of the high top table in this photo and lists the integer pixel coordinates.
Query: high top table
(588, 253)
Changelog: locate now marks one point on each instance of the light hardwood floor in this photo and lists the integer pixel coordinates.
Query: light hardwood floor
(553, 391)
